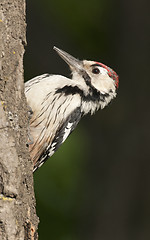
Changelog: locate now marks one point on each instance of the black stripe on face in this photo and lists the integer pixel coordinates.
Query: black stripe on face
(96, 65)
(70, 90)
(86, 77)
(94, 93)
(93, 96)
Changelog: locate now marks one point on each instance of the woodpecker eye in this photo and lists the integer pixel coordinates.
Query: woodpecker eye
(96, 71)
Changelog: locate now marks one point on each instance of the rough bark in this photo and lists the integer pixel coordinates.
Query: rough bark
(18, 218)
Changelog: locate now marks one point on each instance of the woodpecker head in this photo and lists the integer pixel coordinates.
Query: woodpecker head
(99, 81)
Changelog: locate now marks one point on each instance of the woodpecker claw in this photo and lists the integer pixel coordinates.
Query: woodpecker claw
(30, 142)
(30, 138)
(30, 112)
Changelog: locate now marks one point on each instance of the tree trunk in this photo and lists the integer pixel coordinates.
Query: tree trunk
(18, 218)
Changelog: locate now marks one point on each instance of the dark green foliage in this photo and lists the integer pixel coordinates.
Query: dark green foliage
(97, 185)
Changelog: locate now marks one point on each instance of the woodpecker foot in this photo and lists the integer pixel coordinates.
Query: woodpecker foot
(30, 138)
(30, 112)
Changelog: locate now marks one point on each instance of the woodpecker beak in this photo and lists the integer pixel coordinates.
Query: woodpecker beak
(70, 60)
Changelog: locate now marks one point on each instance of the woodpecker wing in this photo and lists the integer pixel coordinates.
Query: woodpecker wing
(61, 135)
(51, 107)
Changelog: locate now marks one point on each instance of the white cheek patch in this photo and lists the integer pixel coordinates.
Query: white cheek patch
(103, 71)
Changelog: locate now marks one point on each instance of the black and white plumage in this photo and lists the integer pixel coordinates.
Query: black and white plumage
(58, 103)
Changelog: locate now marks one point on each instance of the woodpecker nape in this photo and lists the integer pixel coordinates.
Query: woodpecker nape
(58, 102)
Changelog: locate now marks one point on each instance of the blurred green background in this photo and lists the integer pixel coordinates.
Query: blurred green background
(96, 186)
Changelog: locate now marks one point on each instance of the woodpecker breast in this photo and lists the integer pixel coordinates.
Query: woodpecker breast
(58, 103)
